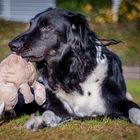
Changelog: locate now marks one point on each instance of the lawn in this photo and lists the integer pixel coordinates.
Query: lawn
(129, 52)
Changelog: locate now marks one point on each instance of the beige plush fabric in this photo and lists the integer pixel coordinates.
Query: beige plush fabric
(40, 93)
(18, 74)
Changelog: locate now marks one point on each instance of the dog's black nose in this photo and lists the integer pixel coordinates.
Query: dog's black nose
(14, 45)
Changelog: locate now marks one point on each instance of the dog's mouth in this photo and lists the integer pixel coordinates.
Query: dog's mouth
(33, 58)
(29, 56)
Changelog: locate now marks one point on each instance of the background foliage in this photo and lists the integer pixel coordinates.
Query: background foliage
(100, 11)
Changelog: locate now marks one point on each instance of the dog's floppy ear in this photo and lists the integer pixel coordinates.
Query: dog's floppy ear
(78, 24)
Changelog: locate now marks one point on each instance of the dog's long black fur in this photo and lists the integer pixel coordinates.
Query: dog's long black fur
(65, 51)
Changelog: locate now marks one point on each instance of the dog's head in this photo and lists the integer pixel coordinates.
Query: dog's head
(49, 34)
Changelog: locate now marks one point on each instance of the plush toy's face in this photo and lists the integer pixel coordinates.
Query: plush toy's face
(16, 70)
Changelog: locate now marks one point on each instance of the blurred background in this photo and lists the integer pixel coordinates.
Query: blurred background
(110, 19)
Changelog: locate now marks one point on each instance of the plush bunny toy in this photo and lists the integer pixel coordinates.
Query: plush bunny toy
(16, 74)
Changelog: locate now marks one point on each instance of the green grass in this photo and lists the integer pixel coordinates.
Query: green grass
(105, 129)
(133, 87)
(76, 130)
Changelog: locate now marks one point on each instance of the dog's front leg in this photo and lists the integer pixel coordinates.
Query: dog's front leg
(47, 119)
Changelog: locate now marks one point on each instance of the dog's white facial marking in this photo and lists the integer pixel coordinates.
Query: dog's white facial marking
(134, 116)
(91, 103)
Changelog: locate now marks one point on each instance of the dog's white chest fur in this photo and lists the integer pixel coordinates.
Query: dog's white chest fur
(91, 103)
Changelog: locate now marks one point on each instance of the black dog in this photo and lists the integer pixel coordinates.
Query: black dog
(82, 77)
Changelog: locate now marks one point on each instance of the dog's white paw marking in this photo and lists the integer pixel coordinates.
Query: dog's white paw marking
(34, 123)
(134, 116)
(50, 119)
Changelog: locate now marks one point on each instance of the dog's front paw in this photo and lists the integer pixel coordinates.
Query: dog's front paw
(34, 123)
(50, 119)
(134, 116)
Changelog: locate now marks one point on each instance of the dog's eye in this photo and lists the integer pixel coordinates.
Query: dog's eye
(45, 28)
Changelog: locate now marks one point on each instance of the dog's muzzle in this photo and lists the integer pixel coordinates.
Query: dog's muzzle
(15, 46)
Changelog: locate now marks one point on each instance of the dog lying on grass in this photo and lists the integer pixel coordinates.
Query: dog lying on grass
(83, 78)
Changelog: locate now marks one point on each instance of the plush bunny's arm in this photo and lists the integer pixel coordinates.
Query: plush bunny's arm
(40, 93)
(26, 92)
(8, 95)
